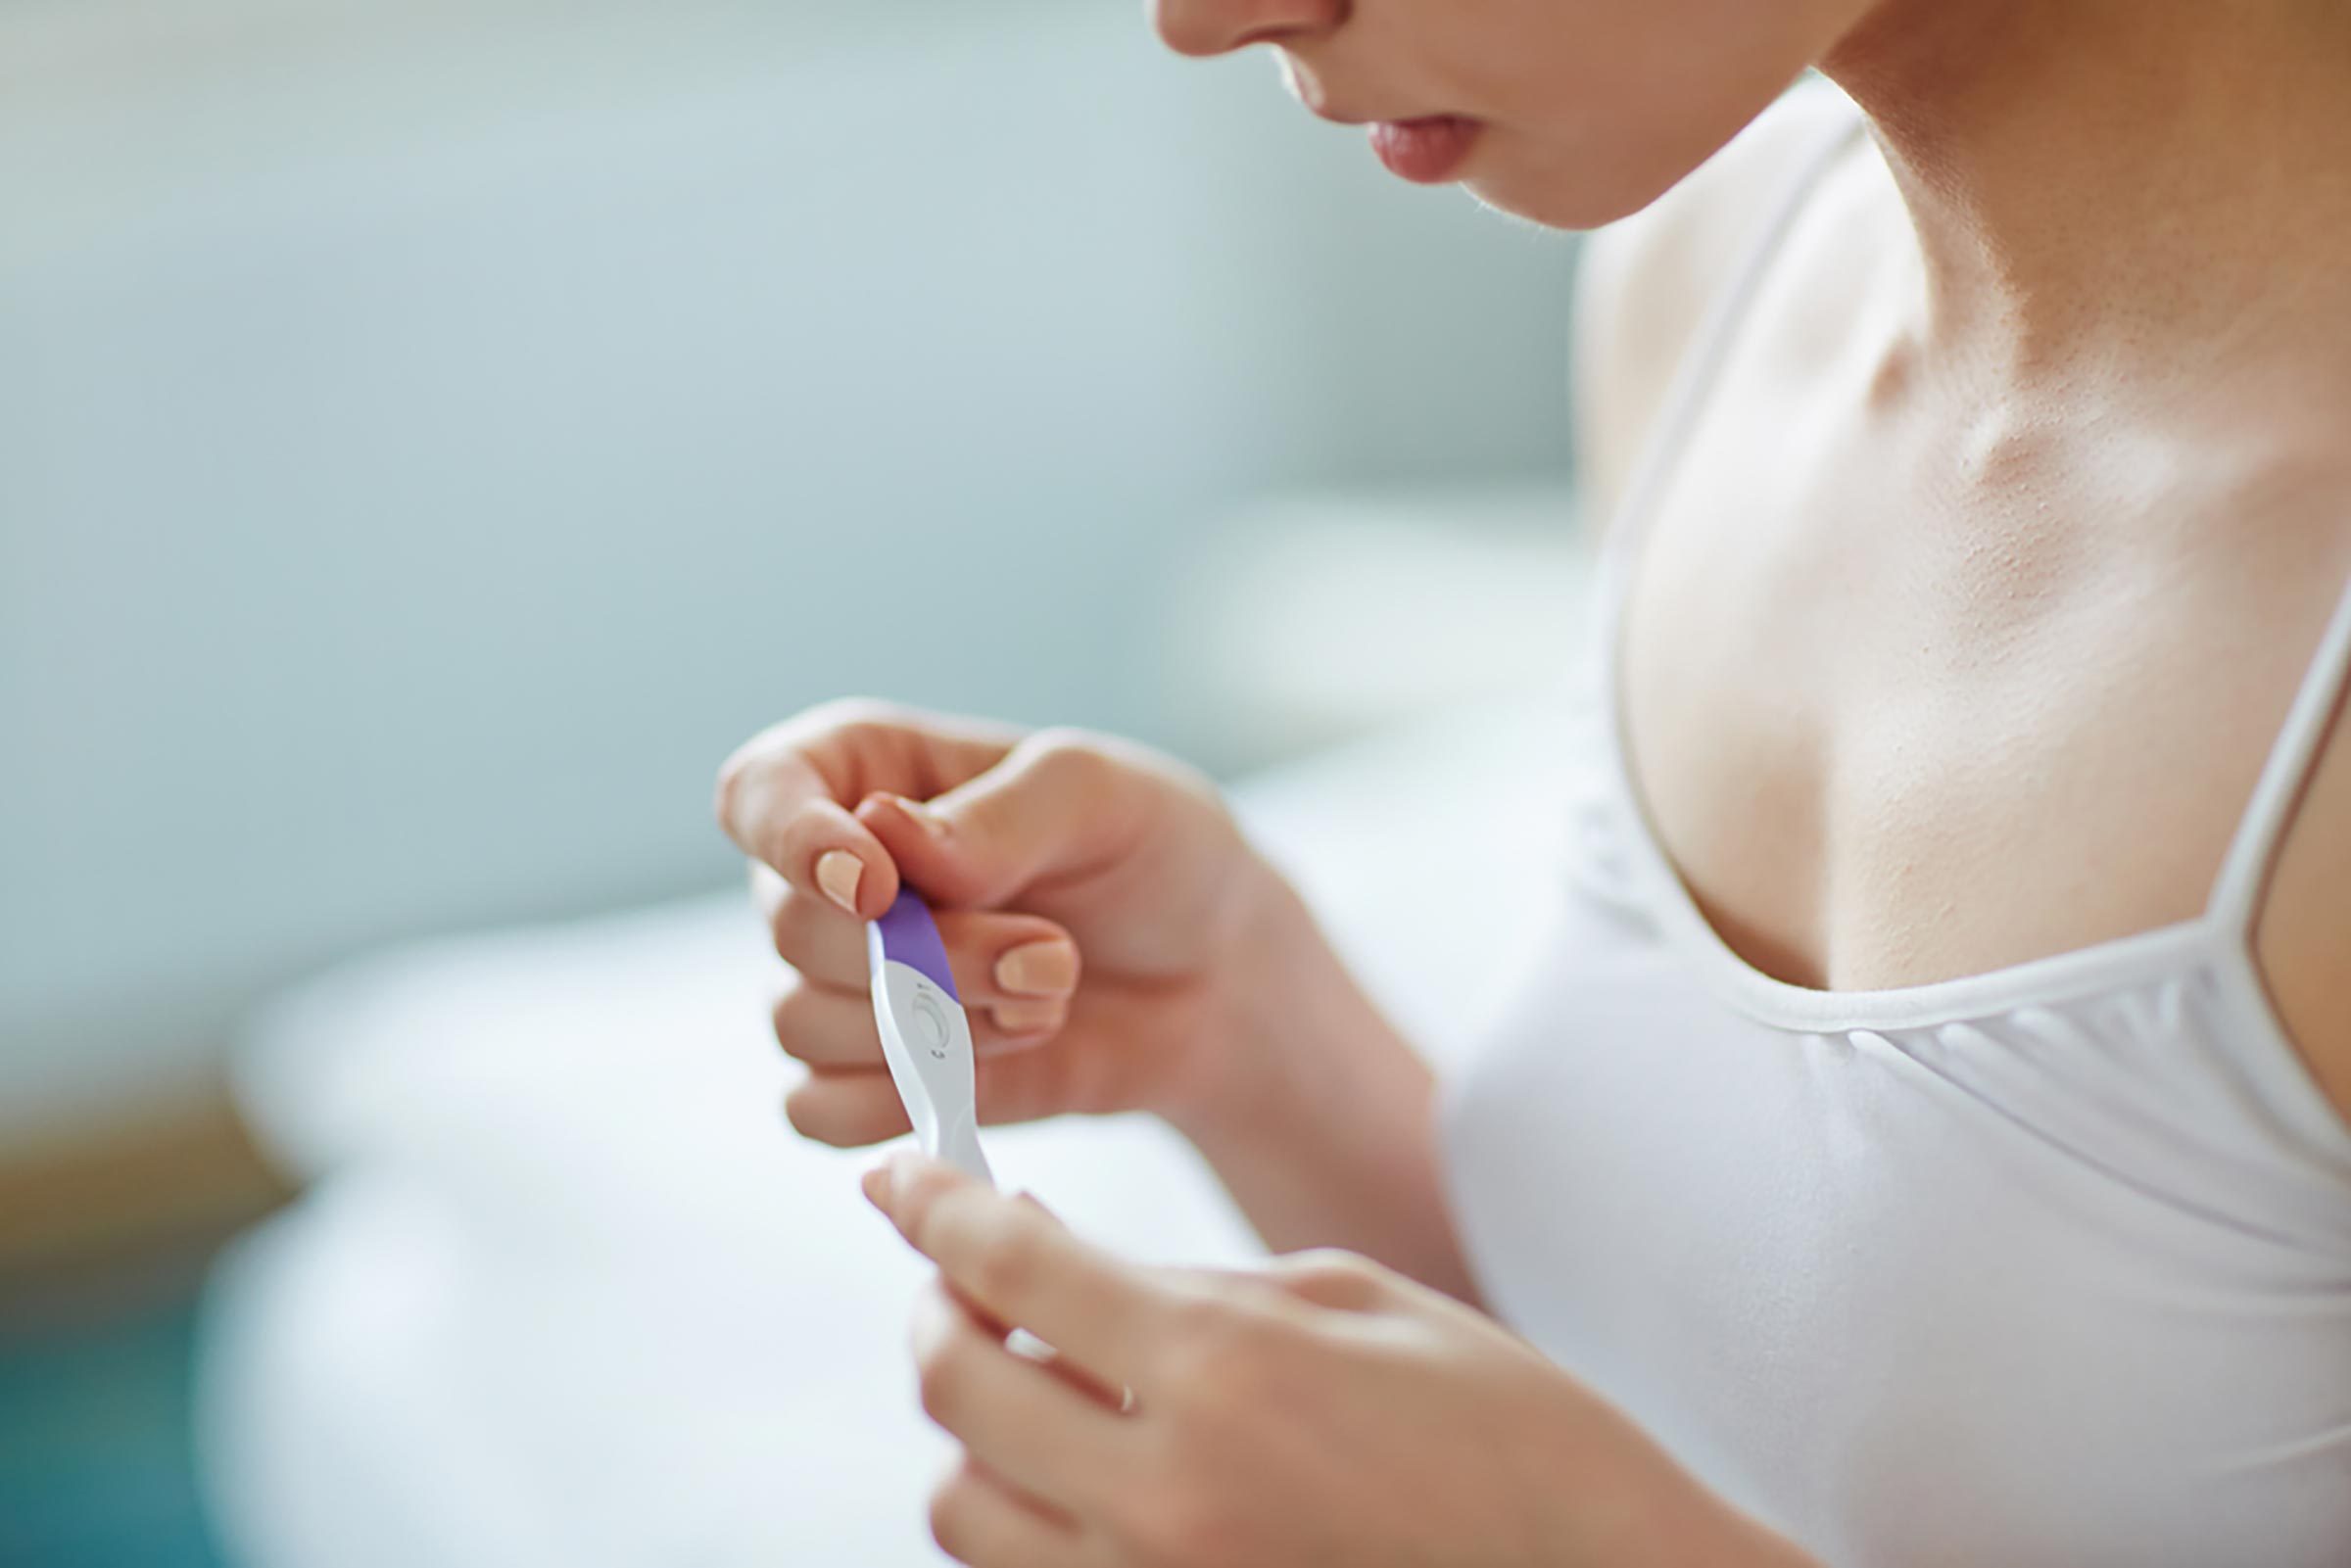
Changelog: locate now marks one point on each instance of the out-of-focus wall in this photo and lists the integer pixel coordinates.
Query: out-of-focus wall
(432, 434)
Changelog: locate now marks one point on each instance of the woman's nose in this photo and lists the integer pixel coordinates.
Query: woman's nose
(1219, 26)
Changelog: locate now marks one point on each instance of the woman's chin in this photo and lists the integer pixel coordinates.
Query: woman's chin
(1559, 198)
(1548, 207)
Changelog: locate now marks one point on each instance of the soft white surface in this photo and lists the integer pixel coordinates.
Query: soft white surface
(566, 1290)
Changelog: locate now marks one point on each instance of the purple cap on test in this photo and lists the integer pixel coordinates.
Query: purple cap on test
(910, 936)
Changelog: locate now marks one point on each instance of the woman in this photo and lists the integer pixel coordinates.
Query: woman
(1923, 1138)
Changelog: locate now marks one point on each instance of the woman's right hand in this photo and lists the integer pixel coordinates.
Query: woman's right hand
(1098, 903)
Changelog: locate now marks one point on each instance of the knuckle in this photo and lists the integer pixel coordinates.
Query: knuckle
(805, 1117)
(768, 889)
(1009, 1262)
(940, 1379)
(850, 712)
(1212, 1348)
(814, 1117)
(951, 1513)
(733, 799)
(795, 1029)
(729, 785)
(747, 804)
(857, 719)
(1072, 753)
(788, 928)
(1180, 1521)
(1331, 1278)
(920, 1204)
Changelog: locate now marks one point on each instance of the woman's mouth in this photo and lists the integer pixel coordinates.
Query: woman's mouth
(1426, 151)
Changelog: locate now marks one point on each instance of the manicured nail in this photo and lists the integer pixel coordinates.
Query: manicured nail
(838, 872)
(1025, 1018)
(1040, 969)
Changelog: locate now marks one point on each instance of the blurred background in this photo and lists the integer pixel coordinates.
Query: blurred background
(432, 435)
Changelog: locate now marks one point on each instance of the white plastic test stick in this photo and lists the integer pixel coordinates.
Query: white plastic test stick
(926, 1038)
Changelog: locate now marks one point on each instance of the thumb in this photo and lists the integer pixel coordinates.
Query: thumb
(1055, 803)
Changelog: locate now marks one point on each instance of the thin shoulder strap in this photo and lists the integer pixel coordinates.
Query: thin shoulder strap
(2245, 873)
(1716, 334)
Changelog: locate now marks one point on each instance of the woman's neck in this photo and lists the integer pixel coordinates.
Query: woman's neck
(2115, 183)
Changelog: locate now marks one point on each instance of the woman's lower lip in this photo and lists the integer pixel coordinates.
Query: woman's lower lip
(1426, 151)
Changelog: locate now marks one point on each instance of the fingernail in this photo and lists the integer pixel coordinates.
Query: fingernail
(838, 872)
(1024, 1018)
(875, 1184)
(1040, 969)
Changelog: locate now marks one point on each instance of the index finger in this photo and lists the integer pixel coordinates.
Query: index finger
(1022, 1266)
(783, 797)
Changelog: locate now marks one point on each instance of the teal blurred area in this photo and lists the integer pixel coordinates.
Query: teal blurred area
(433, 434)
(97, 1464)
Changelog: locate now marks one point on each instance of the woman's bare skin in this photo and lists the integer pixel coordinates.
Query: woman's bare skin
(1990, 592)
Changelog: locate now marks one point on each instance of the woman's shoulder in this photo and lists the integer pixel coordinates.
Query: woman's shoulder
(1645, 283)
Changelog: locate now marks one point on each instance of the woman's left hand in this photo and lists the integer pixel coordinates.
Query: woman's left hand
(1322, 1410)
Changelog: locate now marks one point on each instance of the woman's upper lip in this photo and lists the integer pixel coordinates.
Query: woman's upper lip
(1309, 91)
(1339, 116)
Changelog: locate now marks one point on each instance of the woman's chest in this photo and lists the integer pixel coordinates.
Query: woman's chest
(1902, 710)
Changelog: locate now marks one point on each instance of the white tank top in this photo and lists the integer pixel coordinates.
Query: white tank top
(2045, 1266)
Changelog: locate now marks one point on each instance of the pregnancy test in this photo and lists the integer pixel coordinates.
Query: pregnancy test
(925, 1037)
